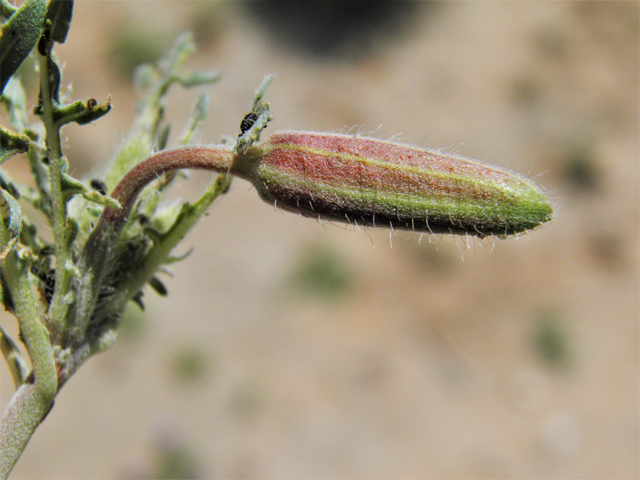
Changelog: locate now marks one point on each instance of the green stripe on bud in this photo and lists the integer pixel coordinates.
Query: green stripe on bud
(372, 182)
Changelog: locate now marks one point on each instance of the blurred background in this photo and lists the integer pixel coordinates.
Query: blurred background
(292, 349)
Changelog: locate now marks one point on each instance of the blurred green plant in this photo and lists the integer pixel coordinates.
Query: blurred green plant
(175, 460)
(135, 44)
(581, 170)
(323, 273)
(189, 364)
(551, 340)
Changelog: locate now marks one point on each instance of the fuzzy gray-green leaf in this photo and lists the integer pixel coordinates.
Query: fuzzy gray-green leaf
(6, 9)
(60, 13)
(82, 112)
(71, 186)
(11, 209)
(19, 35)
(198, 115)
(11, 143)
(11, 352)
(14, 99)
(199, 77)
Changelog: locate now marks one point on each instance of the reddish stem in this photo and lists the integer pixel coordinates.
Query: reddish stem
(215, 158)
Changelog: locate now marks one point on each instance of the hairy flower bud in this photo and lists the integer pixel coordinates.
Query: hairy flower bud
(371, 182)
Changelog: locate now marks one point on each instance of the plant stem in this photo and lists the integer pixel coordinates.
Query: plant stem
(58, 168)
(34, 398)
(22, 416)
(213, 158)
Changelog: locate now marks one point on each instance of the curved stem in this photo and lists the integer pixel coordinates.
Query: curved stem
(214, 158)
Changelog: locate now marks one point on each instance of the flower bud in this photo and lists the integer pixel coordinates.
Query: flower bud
(376, 183)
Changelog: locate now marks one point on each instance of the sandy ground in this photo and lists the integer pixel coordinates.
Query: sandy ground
(438, 358)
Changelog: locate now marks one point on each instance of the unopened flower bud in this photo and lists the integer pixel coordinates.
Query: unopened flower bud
(371, 182)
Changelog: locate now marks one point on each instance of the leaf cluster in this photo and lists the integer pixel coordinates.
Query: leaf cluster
(78, 293)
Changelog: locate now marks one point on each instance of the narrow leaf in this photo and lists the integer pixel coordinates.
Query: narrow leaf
(199, 78)
(11, 144)
(158, 286)
(10, 208)
(82, 112)
(198, 115)
(100, 199)
(178, 258)
(261, 90)
(14, 99)
(12, 355)
(19, 35)
(6, 9)
(71, 186)
(60, 13)
(181, 49)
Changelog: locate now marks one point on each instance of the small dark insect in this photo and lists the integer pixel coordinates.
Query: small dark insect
(98, 185)
(247, 122)
(91, 104)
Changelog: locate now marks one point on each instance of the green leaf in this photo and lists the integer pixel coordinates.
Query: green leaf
(6, 9)
(19, 35)
(14, 99)
(198, 116)
(143, 133)
(261, 90)
(8, 185)
(144, 76)
(198, 77)
(182, 48)
(178, 258)
(10, 207)
(71, 186)
(163, 137)
(188, 216)
(12, 355)
(60, 13)
(72, 228)
(11, 143)
(82, 112)
(100, 199)
(158, 286)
